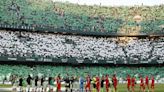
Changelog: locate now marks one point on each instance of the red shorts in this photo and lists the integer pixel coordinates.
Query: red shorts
(88, 86)
(58, 86)
(128, 85)
(115, 85)
(107, 85)
(133, 85)
(152, 85)
(141, 85)
(147, 83)
(98, 87)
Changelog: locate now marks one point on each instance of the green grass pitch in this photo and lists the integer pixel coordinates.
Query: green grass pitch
(158, 88)
(121, 88)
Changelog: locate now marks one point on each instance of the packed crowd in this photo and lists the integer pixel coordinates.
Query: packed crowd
(48, 14)
(125, 49)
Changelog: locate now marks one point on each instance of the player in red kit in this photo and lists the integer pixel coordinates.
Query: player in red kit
(152, 84)
(107, 84)
(98, 84)
(58, 82)
(128, 79)
(114, 82)
(133, 81)
(142, 85)
(147, 82)
(88, 84)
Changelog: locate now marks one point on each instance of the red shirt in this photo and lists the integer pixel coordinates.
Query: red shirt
(58, 81)
(147, 80)
(97, 81)
(115, 81)
(107, 81)
(141, 82)
(133, 81)
(152, 81)
(88, 81)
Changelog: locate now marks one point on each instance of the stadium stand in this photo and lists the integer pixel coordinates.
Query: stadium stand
(35, 40)
(49, 15)
(125, 50)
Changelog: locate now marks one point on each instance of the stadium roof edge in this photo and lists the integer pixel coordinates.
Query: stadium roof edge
(74, 32)
(105, 3)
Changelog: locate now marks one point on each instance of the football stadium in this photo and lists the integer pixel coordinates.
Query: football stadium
(81, 46)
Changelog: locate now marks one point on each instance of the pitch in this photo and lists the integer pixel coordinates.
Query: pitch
(121, 88)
